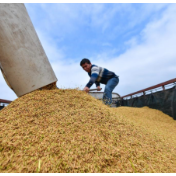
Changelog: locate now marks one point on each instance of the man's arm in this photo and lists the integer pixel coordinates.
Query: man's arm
(97, 84)
(94, 76)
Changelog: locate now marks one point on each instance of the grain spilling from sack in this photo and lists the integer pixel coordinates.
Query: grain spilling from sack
(67, 130)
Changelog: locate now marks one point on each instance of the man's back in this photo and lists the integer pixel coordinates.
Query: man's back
(101, 74)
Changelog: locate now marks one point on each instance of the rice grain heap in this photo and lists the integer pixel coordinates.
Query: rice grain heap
(67, 130)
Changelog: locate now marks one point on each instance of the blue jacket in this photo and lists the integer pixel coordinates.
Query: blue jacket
(99, 75)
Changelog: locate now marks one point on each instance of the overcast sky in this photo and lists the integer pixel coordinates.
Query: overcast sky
(136, 41)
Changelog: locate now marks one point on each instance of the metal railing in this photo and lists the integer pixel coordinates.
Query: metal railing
(159, 87)
(5, 101)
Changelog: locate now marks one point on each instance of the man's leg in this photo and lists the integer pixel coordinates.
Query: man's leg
(111, 84)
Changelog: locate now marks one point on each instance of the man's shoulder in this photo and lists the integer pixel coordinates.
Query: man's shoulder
(94, 67)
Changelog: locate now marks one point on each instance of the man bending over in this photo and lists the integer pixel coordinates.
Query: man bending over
(100, 75)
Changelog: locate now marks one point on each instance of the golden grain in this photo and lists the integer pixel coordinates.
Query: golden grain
(66, 130)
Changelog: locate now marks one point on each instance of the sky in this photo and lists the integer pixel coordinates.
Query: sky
(137, 41)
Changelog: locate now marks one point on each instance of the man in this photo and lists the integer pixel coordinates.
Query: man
(100, 75)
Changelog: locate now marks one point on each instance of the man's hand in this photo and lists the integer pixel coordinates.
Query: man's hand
(98, 88)
(86, 89)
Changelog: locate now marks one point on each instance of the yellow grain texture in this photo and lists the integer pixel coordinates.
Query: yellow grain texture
(67, 130)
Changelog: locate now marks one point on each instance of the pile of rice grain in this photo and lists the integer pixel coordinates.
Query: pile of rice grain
(67, 130)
